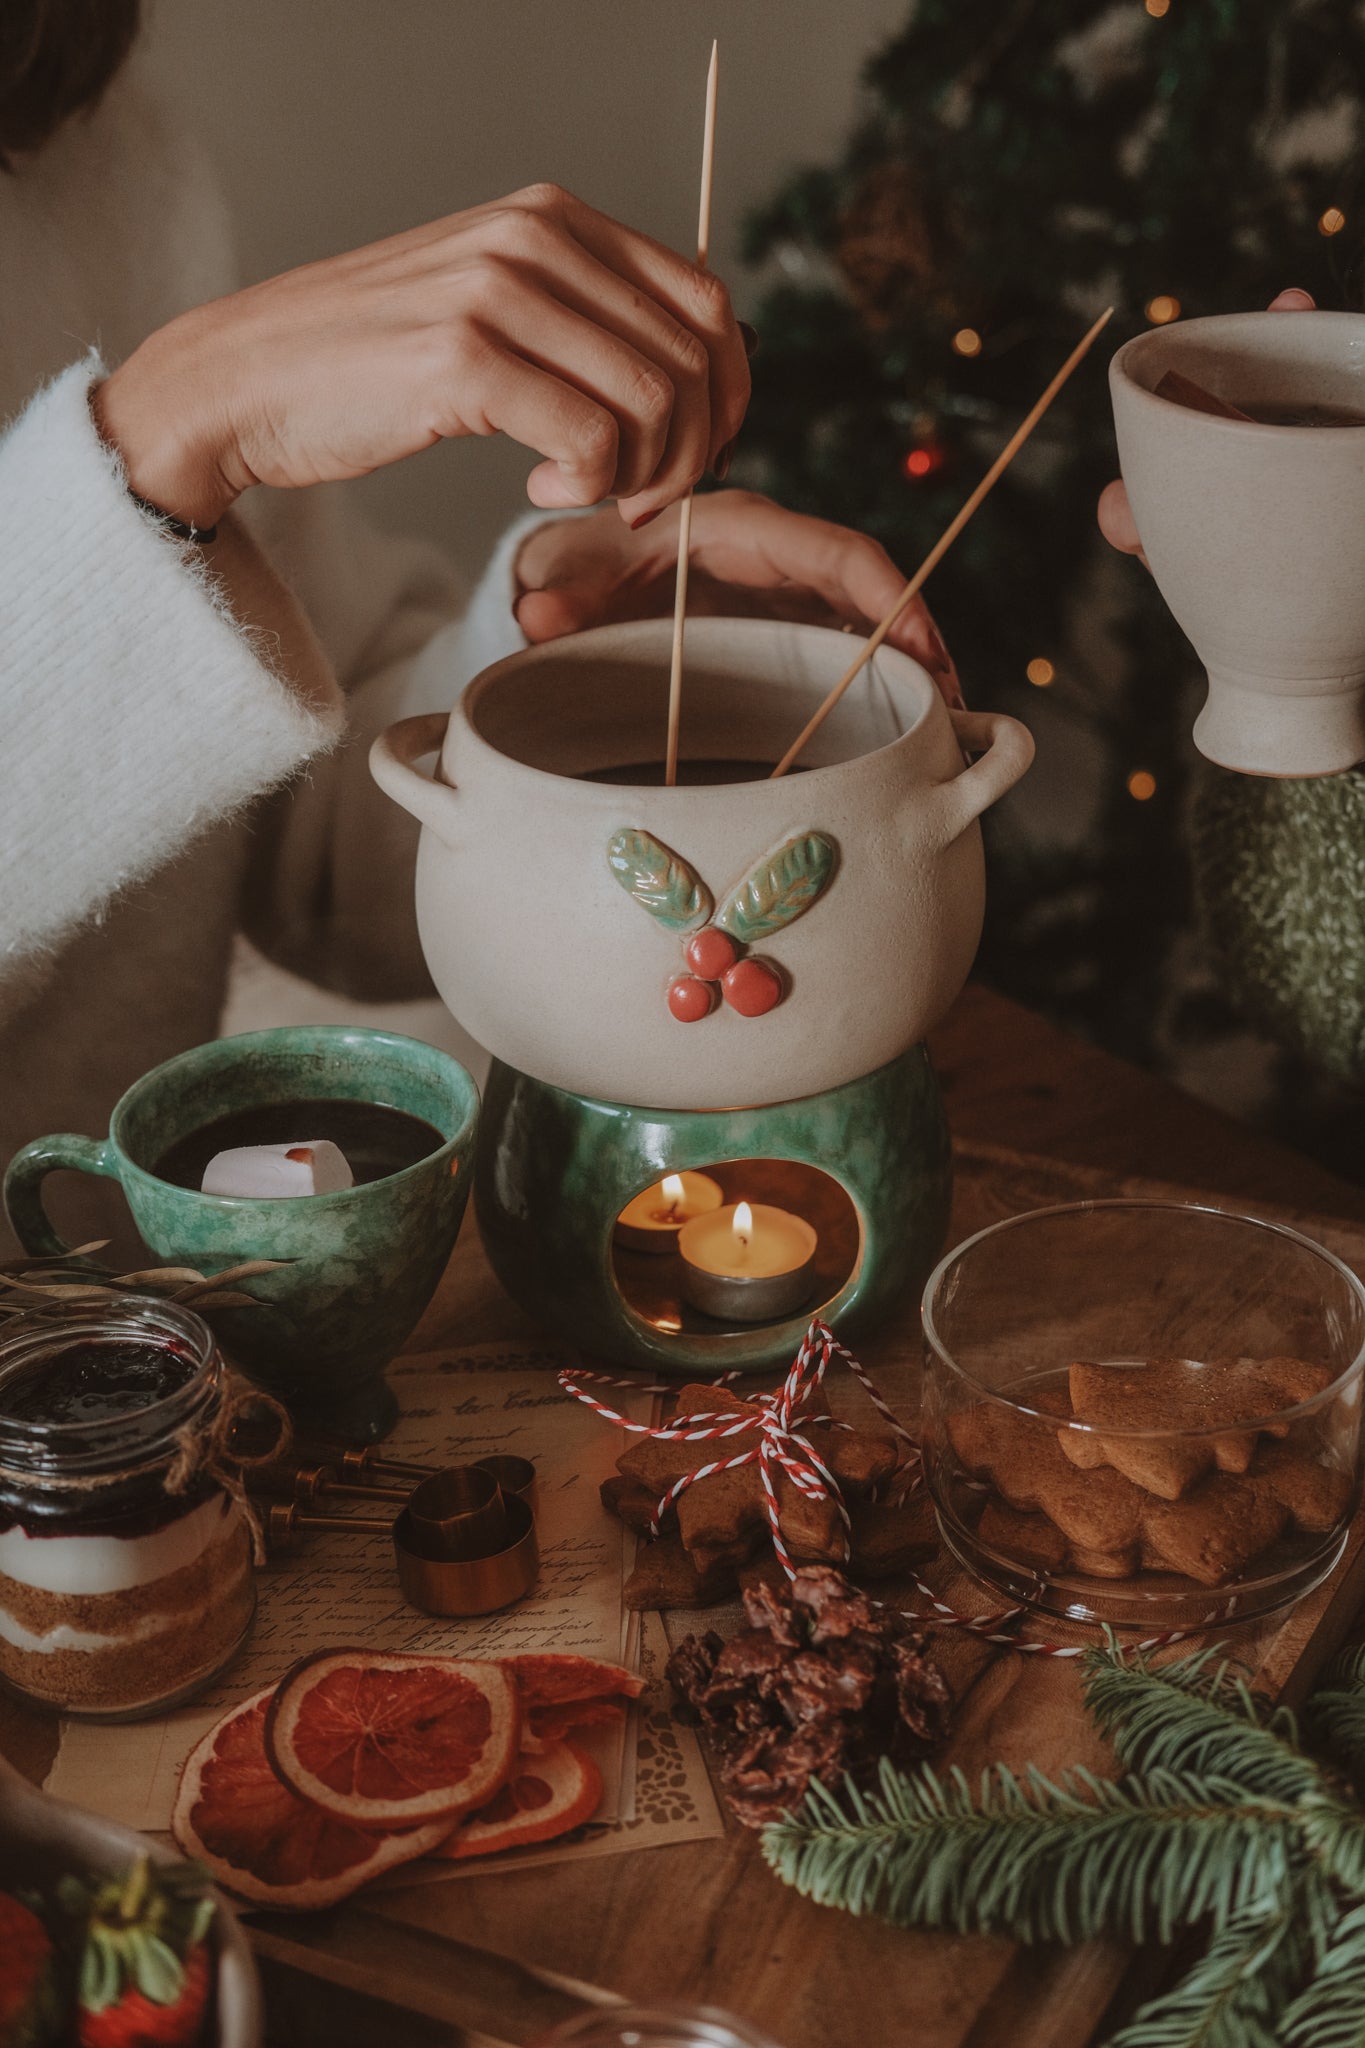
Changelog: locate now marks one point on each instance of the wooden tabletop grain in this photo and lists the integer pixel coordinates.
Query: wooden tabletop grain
(502, 1958)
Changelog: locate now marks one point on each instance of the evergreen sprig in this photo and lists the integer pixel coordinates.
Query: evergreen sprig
(1224, 1820)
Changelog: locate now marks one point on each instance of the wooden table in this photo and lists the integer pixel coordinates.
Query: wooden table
(501, 1958)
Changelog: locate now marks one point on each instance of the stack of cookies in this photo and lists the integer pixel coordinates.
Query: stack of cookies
(1175, 1471)
(719, 1536)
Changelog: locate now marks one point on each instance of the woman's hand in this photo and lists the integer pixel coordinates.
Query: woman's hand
(1114, 512)
(613, 358)
(749, 556)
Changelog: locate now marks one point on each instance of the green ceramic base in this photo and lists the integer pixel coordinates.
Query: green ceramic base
(554, 1171)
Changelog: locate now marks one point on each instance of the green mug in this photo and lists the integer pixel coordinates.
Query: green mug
(361, 1265)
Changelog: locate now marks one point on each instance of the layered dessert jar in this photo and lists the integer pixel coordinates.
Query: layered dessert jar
(125, 1562)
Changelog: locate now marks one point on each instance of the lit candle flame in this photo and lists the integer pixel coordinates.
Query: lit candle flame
(744, 1223)
(673, 1189)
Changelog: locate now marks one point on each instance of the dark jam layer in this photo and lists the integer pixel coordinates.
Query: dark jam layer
(375, 1139)
(96, 1380)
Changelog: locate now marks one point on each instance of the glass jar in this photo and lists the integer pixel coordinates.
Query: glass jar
(655, 2026)
(125, 1564)
(1144, 1413)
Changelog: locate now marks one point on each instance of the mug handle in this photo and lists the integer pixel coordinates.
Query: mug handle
(1004, 749)
(29, 1168)
(393, 758)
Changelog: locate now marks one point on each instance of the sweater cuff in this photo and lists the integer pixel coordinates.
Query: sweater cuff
(139, 711)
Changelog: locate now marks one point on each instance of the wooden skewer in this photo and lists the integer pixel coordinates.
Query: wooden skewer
(708, 157)
(941, 546)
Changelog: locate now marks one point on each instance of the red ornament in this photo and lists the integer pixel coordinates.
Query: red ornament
(752, 987)
(926, 458)
(689, 999)
(710, 952)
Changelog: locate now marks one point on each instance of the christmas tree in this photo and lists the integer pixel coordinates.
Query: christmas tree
(1026, 162)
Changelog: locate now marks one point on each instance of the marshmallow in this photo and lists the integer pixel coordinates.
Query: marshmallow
(313, 1166)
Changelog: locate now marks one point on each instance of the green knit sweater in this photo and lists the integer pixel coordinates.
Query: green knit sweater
(1280, 869)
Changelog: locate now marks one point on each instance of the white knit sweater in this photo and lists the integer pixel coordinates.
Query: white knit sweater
(142, 727)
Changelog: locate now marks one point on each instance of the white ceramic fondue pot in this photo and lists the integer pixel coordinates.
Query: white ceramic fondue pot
(1256, 533)
(556, 912)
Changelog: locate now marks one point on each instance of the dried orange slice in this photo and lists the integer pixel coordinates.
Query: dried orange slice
(261, 1840)
(544, 1726)
(548, 1676)
(544, 1797)
(394, 1741)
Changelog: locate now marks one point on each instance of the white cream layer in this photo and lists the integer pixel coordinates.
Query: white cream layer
(64, 1638)
(89, 1565)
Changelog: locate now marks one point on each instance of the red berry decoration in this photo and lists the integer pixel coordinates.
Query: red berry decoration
(689, 999)
(752, 987)
(710, 953)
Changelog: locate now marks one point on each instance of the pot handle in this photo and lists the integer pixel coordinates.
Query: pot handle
(1004, 749)
(392, 764)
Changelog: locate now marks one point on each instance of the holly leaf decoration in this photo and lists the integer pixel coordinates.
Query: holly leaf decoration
(659, 880)
(779, 888)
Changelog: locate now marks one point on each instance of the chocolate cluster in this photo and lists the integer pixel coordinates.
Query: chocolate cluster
(821, 1683)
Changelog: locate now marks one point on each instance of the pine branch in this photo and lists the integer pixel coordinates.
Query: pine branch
(1039, 1860)
(1330, 2011)
(1346, 1671)
(1196, 1715)
(1337, 1719)
(1231, 1996)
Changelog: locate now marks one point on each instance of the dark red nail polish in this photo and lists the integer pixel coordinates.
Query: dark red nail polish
(749, 336)
(644, 519)
(720, 468)
(938, 653)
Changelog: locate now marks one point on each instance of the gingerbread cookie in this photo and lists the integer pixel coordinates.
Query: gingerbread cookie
(1099, 1512)
(1173, 1394)
(1046, 1511)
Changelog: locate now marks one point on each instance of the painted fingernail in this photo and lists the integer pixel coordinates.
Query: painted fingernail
(938, 653)
(749, 336)
(720, 468)
(645, 518)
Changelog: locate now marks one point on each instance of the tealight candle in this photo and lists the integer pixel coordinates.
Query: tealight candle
(747, 1264)
(651, 1222)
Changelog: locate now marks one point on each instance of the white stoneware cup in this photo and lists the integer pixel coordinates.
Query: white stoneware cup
(543, 954)
(1256, 533)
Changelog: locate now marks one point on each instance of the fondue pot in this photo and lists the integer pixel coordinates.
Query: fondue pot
(666, 974)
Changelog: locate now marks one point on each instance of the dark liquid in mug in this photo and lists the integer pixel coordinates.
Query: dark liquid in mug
(376, 1140)
(691, 774)
(1271, 414)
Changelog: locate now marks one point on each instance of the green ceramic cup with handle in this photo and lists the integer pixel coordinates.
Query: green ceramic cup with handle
(360, 1265)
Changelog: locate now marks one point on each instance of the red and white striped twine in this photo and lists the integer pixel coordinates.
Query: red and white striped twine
(779, 1423)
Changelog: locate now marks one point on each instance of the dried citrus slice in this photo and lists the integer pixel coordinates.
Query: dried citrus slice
(261, 1840)
(547, 1676)
(545, 1796)
(547, 1725)
(394, 1741)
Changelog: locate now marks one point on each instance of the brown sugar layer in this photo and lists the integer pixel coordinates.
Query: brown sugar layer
(1173, 1394)
(122, 1678)
(37, 1610)
(114, 1652)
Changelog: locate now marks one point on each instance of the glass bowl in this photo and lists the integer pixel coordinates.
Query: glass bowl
(1144, 1413)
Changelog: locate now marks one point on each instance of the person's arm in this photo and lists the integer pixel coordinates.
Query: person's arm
(136, 710)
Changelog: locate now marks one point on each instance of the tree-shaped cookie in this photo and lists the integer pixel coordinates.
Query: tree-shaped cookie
(778, 889)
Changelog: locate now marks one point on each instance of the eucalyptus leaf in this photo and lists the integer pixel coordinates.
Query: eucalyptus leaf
(779, 888)
(659, 880)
